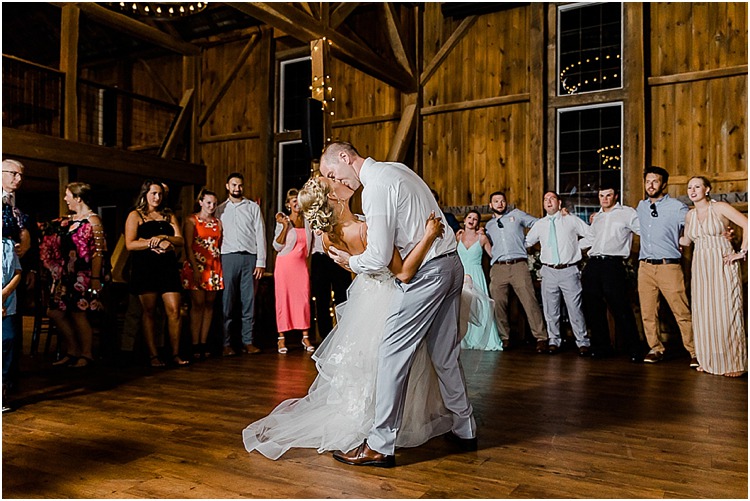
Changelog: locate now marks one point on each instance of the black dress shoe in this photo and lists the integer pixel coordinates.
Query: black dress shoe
(553, 349)
(364, 456)
(465, 444)
(541, 346)
(584, 351)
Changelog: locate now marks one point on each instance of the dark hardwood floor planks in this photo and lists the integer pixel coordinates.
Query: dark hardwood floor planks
(549, 427)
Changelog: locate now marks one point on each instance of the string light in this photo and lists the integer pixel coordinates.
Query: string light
(162, 10)
(322, 88)
(574, 88)
(610, 156)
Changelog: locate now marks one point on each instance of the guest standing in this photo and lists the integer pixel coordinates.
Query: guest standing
(152, 235)
(72, 249)
(11, 278)
(243, 258)
(718, 330)
(662, 219)
(292, 240)
(201, 272)
(472, 243)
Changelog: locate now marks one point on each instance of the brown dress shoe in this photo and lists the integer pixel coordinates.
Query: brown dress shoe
(542, 346)
(228, 351)
(251, 350)
(364, 456)
(553, 349)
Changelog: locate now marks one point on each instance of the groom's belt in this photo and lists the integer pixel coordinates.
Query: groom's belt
(444, 255)
(561, 266)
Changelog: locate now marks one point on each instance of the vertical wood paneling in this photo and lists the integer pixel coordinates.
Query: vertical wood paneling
(360, 95)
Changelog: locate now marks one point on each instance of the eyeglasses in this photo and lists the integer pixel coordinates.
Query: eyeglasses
(500, 224)
(653, 211)
(15, 174)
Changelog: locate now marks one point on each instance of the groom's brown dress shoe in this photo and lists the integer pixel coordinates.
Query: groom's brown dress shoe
(364, 456)
(465, 444)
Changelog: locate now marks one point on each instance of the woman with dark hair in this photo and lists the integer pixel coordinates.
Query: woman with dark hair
(472, 243)
(201, 272)
(72, 250)
(151, 236)
(293, 242)
(720, 339)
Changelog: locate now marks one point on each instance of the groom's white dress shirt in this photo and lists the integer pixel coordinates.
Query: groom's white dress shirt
(395, 219)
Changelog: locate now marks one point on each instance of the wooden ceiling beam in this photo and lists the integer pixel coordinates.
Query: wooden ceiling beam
(339, 15)
(23, 144)
(396, 37)
(301, 26)
(446, 49)
(124, 24)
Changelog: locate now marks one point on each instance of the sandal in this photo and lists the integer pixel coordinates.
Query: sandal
(66, 360)
(82, 362)
(155, 362)
(179, 362)
(308, 347)
(282, 345)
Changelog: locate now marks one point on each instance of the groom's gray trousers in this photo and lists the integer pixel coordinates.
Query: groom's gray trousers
(425, 307)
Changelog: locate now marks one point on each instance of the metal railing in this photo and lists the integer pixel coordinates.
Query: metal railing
(33, 100)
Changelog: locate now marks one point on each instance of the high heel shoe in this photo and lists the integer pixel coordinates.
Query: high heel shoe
(282, 345)
(308, 347)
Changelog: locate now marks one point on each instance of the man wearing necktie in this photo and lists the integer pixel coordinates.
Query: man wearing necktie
(561, 254)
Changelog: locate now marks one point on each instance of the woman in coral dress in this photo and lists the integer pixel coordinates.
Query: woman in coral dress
(293, 242)
(201, 272)
(720, 339)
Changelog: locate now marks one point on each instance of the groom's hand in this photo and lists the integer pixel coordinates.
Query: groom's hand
(340, 257)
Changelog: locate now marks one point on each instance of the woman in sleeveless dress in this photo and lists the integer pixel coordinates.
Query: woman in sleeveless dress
(151, 236)
(293, 242)
(201, 271)
(72, 250)
(472, 243)
(339, 408)
(720, 340)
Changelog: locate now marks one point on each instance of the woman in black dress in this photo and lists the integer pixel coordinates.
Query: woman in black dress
(151, 236)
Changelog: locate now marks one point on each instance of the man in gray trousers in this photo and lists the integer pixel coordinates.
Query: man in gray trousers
(396, 203)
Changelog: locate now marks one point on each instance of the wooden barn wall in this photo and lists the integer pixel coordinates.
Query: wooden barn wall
(469, 153)
(366, 110)
(232, 139)
(699, 117)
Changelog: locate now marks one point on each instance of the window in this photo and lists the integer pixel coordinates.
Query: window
(294, 88)
(589, 140)
(294, 168)
(589, 46)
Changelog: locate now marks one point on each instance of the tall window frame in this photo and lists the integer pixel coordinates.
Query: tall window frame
(585, 198)
(284, 66)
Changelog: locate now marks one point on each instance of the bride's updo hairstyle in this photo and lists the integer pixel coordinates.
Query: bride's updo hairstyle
(315, 205)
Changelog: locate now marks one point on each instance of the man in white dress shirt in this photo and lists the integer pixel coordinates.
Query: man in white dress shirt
(243, 259)
(561, 254)
(397, 203)
(605, 283)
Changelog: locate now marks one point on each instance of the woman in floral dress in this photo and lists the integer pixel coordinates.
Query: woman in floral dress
(72, 249)
(201, 273)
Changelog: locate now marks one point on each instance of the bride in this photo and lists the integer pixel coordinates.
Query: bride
(338, 410)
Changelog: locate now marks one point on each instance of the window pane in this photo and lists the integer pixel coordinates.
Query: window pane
(588, 145)
(294, 167)
(295, 84)
(589, 47)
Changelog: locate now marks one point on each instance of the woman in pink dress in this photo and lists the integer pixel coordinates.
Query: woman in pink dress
(201, 272)
(292, 241)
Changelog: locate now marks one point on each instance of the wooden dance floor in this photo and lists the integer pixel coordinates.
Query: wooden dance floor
(549, 427)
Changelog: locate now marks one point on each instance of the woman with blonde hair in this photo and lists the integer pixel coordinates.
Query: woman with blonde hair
(716, 289)
(292, 241)
(201, 271)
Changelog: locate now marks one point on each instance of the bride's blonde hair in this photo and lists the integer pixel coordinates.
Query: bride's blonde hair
(315, 205)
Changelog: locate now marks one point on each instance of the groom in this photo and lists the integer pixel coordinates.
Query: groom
(396, 203)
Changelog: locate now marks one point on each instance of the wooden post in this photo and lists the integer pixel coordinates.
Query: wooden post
(322, 84)
(537, 108)
(635, 104)
(69, 64)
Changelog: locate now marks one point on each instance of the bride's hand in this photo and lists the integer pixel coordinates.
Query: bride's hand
(434, 226)
(340, 257)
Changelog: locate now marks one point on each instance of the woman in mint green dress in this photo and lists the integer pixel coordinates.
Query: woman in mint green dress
(472, 242)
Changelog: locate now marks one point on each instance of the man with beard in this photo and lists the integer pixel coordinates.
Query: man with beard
(509, 268)
(243, 259)
(662, 220)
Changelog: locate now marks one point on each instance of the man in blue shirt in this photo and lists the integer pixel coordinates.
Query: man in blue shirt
(11, 278)
(662, 219)
(509, 268)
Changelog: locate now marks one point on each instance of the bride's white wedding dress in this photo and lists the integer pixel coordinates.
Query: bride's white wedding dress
(338, 410)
